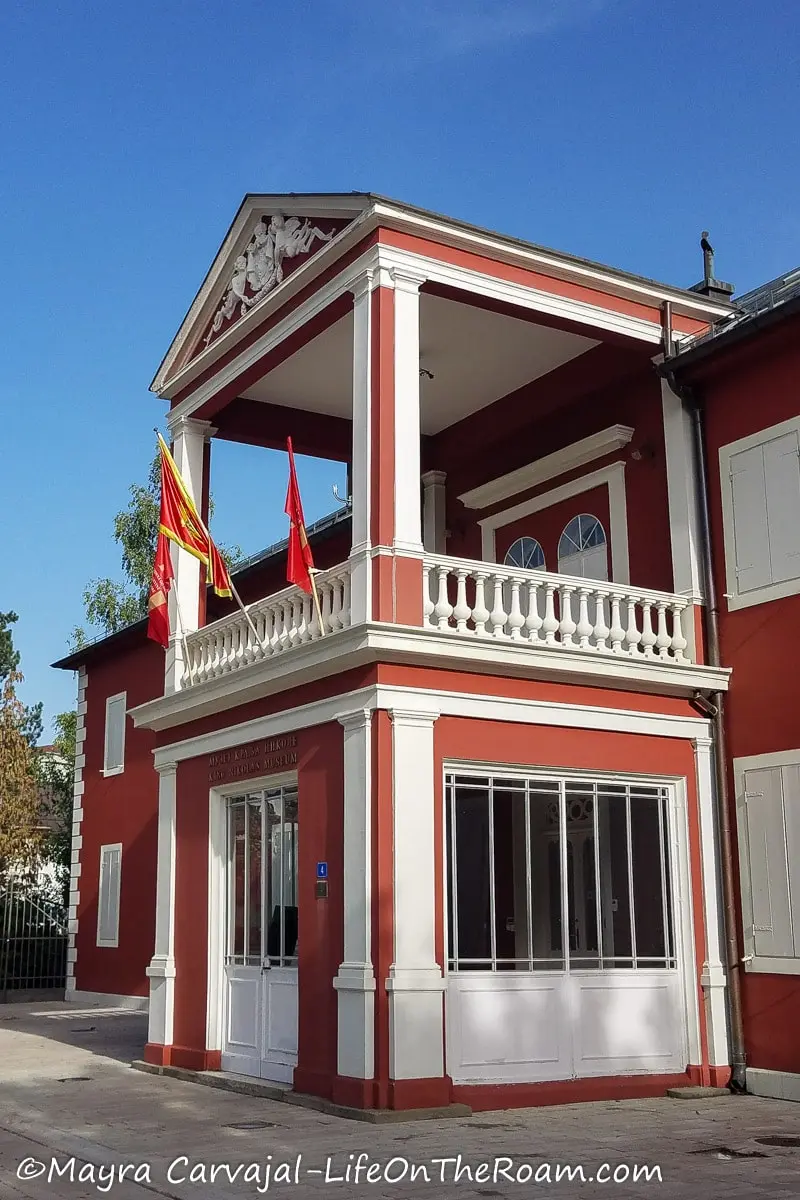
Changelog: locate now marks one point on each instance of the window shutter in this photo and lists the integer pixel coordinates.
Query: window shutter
(108, 895)
(791, 820)
(782, 473)
(750, 525)
(115, 733)
(769, 881)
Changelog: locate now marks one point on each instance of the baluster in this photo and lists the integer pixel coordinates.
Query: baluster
(550, 621)
(305, 617)
(224, 653)
(326, 601)
(427, 603)
(663, 640)
(297, 615)
(515, 617)
(277, 629)
(443, 609)
(616, 632)
(269, 631)
(632, 634)
(498, 613)
(344, 616)
(601, 629)
(585, 628)
(462, 611)
(480, 613)
(236, 646)
(566, 625)
(533, 622)
(679, 640)
(336, 603)
(648, 633)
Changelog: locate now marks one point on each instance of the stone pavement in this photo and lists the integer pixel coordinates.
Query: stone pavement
(71, 1106)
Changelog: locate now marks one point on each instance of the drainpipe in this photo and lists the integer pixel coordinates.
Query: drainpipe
(691, 399)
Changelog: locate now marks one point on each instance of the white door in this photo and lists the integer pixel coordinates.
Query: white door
(261, 959)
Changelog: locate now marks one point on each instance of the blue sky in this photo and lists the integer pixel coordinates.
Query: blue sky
(615, 129)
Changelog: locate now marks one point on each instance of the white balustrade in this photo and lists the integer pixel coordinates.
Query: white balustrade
(287, 619)
(541, 609)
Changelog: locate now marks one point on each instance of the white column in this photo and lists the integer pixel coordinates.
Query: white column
(161, 971)
(189, 438)
(415, 984)
(433, 512)
(408, 514)
(360, 577)
(713, 978)
(355, 981)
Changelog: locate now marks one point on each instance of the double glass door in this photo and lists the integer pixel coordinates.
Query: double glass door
(262, 933)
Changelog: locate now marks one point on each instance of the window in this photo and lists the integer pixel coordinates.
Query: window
(527, 553)
(582, 549)
(114, 753)
(760, 479)
(544, 874)
(768, 805)
(263, 874)
(108, 895)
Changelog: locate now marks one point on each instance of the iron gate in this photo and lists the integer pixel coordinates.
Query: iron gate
(33, 942)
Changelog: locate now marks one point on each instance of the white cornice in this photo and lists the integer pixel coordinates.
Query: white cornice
(558, 463)
(414, 646)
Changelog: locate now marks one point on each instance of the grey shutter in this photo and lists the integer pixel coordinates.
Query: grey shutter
(750, 522)
(108, 895)
(115, 731)
(782, 473)
(790, 779)
(769, 879)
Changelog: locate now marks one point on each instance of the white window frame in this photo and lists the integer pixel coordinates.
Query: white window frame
(110, 943)
(758, 964)
(613, 476)
(123, 696)
(769, 591)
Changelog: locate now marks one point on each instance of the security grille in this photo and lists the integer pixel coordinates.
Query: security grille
(33, 942)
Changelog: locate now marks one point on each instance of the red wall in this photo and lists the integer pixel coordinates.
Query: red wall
(752, 389)
(121, 808)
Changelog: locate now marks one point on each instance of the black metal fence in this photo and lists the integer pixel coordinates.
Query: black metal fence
(33, 942)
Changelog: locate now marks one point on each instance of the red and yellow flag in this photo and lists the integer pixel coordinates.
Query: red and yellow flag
(181, 523)
(300, 563)
(158, 611)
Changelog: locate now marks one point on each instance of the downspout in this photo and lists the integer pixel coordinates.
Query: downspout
(691, 400)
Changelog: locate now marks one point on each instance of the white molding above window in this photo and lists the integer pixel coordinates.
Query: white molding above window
(766, 591)
(613, 476)
(765, 964)
(114, 704)
(557, 463)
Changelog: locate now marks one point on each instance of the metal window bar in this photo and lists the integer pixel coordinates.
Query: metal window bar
(528, 873)
(492, 901)
(631, 896)
(453, 873)
(664, 872)
(562, 840)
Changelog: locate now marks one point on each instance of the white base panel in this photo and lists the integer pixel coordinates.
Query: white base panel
(779, 1085)
(108, 1000)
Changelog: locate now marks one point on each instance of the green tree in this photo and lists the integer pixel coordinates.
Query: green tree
(20, 832)
(111, 605)
(56, 773)
(31, 715)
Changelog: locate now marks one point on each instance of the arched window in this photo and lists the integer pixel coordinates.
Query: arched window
(525, 552)
(582, 548)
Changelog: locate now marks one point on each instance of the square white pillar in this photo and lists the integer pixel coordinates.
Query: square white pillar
(433, 512)
(188, 444)
(360, 572)
(407, 500)
(161, 971)
(713, 978)
(415, 984)
(355, 981)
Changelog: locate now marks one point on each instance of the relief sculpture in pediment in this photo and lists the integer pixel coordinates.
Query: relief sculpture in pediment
(260, 268)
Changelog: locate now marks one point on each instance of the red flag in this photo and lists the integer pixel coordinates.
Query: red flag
(181, 523)
(300, 563)
(158, 613)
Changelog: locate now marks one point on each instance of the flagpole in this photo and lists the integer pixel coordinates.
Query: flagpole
(311, 573)
(247, 616)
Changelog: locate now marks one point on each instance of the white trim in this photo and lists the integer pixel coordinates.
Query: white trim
(612, 475)
(770, 591)
(779, 1085)
(757, 964)
(107, 1000)
(77, 821)
(577, 454)
(216, 1000)
(360, 566)
(161, 970)
(407, 523)
(110, 942)
(118, 770)
(713, 978)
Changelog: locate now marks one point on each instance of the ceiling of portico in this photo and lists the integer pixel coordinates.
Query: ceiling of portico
(474, 355)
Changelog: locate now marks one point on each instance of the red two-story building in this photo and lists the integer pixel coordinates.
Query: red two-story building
(459, 841)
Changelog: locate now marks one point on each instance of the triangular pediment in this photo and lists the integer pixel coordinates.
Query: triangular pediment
(271, 238)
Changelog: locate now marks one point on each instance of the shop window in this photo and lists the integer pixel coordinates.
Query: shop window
(769, 844)
(527, 553)
(548, 874)
(108, 894)
(760, 478)
(582, 549)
